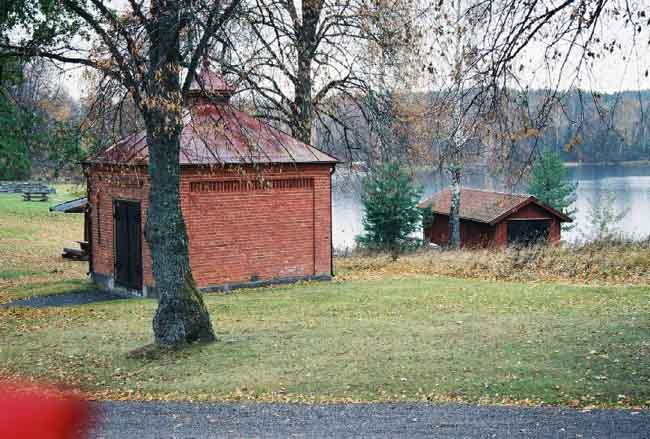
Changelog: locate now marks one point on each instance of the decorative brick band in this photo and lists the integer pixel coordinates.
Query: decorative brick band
(252, 185)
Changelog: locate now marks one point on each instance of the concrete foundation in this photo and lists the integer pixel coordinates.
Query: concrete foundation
(107, 283)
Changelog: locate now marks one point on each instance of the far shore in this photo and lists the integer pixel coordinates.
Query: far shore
(344, 169)
(608, 163)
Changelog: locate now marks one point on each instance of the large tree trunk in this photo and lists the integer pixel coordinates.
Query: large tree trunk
(181, 316)
(454, 211)
(303, 113)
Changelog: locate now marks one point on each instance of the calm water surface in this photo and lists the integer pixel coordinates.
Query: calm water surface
(629, 187)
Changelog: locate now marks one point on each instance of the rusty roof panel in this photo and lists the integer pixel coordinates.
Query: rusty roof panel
(218, 133)
(475, 204)
(208, 81)
(485, 206)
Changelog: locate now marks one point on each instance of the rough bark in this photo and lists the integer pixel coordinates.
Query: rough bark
(303, 114)
(454, 211)
(306, 44)
(182, 316)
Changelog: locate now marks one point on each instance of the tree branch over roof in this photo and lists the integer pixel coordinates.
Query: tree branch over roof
(212, 25)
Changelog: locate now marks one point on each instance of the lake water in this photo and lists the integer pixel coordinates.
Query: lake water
(628, 186)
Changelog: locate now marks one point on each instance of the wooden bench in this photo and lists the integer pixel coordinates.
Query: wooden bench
(84, 245)
(35, 196)
(77, 254)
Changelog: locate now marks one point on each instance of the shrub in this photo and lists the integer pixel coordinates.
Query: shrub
(549, 183)
(390, 215)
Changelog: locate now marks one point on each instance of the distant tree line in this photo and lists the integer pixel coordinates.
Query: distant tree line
(40, 131)
(587, 127)
(582, 127)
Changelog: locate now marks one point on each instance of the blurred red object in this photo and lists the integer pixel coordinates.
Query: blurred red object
(31, 411)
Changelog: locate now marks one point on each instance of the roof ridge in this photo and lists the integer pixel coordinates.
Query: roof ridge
(521, 194)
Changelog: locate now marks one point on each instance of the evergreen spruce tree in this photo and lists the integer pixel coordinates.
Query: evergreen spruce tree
(389, 201)
(550, 184)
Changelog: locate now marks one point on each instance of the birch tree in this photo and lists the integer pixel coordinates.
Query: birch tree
(305, 61)
(389, 67)
(557, 42)
(455, 105)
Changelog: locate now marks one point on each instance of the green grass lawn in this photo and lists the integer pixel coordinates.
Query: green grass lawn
(411, 337)
(31, 241)
(390, 339)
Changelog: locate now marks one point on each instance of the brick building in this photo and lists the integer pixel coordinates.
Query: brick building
(494, 219)
(256, 202)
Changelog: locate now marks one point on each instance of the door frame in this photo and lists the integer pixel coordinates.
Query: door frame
(137, 202)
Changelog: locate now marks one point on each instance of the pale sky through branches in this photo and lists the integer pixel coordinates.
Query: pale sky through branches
(622, 70)
(614, 72)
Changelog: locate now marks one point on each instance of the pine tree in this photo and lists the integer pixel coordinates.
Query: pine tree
(390, 209)
(550, 184)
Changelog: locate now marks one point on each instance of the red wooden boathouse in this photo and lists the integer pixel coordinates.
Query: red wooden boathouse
(494, 219)
(256, 202)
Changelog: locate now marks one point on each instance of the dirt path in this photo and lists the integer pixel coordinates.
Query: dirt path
(64, 299)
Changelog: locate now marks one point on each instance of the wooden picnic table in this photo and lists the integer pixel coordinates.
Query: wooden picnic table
(35, 196)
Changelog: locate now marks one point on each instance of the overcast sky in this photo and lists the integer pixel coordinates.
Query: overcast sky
(623, 70)
(619, 71)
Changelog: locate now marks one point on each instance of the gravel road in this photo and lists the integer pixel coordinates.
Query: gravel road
(144, 420)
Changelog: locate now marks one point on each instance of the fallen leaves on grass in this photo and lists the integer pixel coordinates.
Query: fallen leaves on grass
(105, 393)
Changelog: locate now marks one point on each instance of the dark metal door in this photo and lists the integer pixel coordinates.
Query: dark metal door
(528, 232)
(128, 251)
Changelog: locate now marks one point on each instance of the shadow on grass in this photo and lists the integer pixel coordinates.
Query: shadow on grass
(154, 352)
(16, 274)
(32, 289)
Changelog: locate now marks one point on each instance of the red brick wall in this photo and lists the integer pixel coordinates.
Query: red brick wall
(237, 233)
(261, 234)
(104, 187)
